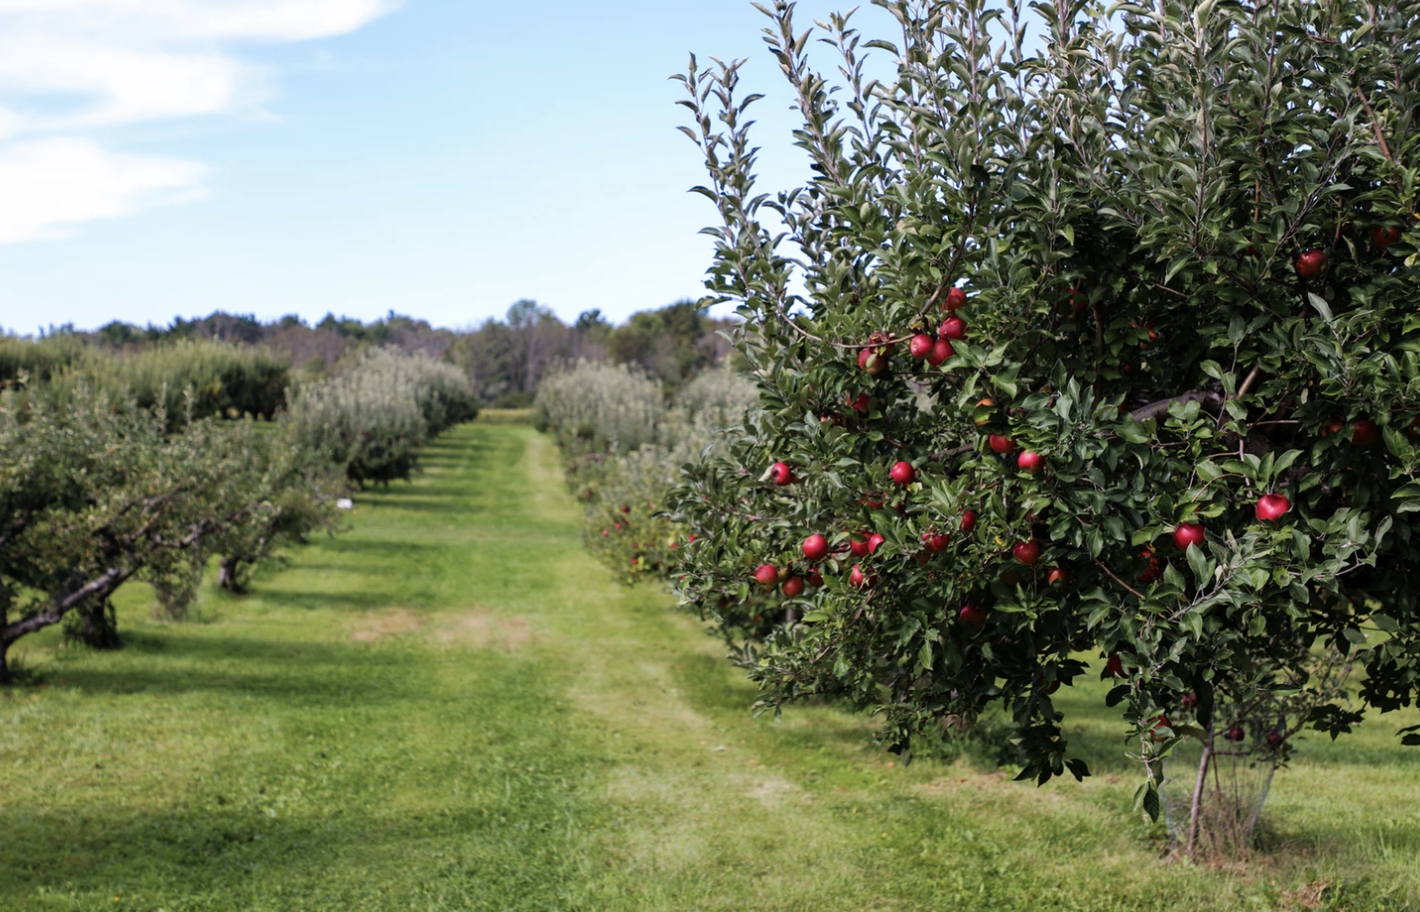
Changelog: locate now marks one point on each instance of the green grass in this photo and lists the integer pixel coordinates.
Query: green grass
(452, 707)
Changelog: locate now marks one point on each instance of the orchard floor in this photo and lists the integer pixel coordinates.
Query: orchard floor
(453, 707)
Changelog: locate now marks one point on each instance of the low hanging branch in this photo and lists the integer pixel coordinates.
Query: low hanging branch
(1161, 408)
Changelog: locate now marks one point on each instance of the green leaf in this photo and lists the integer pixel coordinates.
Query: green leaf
(1200, 565)
(1321, 307)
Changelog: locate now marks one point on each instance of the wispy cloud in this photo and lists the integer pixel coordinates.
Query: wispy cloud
(69, 69)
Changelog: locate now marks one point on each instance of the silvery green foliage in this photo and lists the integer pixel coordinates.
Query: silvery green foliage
(600, 408)
(373, 417)
(721, 396)
(626, 450)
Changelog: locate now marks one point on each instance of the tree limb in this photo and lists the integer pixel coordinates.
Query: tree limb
(1161, 408)
(102, 584)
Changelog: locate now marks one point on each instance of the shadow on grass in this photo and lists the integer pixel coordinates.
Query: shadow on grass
(247, 857)
(281, 670)
(336, 601)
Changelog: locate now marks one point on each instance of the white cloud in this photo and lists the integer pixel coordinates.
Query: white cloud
(71, 68)
(50, 185)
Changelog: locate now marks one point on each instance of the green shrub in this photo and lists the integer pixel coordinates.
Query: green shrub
(599, 408)
(93, 495)
(374, 416)
(625, 451)
(39, 359)
(226, 381)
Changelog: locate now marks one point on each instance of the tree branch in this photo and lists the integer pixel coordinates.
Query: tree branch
(1161, 408)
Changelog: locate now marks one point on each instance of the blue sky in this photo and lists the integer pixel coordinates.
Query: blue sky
(441, 158)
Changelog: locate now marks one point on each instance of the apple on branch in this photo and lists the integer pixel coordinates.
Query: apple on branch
(816, 547)
(1310, 264)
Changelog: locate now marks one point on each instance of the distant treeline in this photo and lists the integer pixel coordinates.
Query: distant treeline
(237, 364)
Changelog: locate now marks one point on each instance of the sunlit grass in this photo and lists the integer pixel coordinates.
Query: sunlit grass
(453, 707)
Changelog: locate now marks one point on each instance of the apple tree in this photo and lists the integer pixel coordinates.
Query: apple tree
(1092, 335)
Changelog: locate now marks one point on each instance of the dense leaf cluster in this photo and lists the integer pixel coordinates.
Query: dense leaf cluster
(374, 417)
(625, 447)
(1180, 239)
(197, 378)
(93, 495)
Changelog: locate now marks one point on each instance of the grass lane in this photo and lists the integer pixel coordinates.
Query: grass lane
(453, 707)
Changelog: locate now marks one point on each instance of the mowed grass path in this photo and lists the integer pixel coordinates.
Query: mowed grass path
(453, 707)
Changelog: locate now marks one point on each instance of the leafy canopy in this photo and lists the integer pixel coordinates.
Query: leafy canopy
(1124, 205)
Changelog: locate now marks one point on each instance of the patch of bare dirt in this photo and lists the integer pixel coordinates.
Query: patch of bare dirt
(1312, 896)
(375, 626)
(481, 629)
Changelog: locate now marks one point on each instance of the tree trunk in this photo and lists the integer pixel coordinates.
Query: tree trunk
(5, 663)
(227, 574)
(1196, 808)
(94, 625)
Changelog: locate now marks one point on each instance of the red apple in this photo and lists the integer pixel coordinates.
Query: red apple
(1114, 667)
(1365, 433)
(782, 474)
(815, 578)
(1079, 301)
(794, 586)
(1384, 237)
(1236, 733)
(875, 541)
(767, 576)
(974, 616)
(860, 404)
(871, 361)
(956, 298)
(953, 328)
(984, 412)
(1027, 552)
(941, 351)
(968, 521)
(1002, 444)
(936, 542)
(816, 547)
(1160, 722)
(858, 579)
(902, 473)
(1189, 701)
(1188, 534)
(1153, 568)
(1030, 461)
(1274, 739)
(1272, 507)
(1310, 264)
(1333, 426)
(920, 346)
(1057, 577)
(858, 544)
